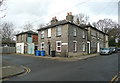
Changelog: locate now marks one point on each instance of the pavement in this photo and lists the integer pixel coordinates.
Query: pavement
(71, 58)
(10, 69)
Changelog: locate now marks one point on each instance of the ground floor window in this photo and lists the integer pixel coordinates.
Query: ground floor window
(58, 46)
(84, 46)
(42, 45)
(74, 46)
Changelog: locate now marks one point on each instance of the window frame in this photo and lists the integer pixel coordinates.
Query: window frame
(49, 32)
(83, 47)
(42, 34)
(75, 32)
(74, 46)
(58, 31)
(58, 46)
(83, 34)
(42, 47)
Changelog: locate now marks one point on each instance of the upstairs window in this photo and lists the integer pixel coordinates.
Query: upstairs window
(58, 31)
(58, 46)
(29, 35)
(74, 32)
(83, 34)
(49, 32)
(42, 34)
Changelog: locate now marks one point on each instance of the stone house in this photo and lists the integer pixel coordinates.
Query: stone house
(65, 37)
(96, 39)
(26, 42)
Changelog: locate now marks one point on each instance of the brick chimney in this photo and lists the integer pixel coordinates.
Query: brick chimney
(69, 17)
(54, 20)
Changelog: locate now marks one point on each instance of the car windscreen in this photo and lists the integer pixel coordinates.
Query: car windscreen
(104, 48)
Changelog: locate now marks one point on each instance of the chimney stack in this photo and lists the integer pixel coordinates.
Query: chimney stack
(69, 17)
(54, 20)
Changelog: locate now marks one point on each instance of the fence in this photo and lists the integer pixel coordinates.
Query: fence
(7, 50)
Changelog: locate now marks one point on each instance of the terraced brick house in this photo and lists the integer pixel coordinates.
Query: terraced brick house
(65, 37)
(70, 39)
(27, 42)
(96, 39)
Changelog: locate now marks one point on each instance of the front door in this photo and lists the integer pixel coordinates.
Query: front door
(88, 47)
(49, 46)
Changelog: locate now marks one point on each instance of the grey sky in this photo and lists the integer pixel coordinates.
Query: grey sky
(37, 12)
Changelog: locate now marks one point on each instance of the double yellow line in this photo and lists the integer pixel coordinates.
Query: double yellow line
(115, 78)
(27, 70)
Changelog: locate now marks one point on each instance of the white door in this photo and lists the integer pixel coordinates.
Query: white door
(98, 47)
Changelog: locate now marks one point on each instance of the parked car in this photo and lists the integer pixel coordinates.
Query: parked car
(118, 49)
(114, 49)
(105, 51)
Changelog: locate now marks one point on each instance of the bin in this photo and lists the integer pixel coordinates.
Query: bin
(53, 53)
(37, 52)
(42, 53)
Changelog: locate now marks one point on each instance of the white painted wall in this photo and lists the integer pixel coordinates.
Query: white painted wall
(20, 48)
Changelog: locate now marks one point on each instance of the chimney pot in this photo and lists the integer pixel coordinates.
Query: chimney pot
(69, 17)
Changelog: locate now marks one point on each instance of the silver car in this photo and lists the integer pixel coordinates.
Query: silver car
(105, 51)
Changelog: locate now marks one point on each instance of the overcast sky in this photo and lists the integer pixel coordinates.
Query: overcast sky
(20, 12)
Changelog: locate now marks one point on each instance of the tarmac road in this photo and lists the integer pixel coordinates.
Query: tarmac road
(100, 68)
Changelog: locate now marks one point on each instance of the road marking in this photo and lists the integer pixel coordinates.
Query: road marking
(6, 67)
(28, 70)
(115, 78)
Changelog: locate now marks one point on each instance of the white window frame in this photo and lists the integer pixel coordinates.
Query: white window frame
(84, 47)
(42, 47)
(42, 34)
(58, 31)
(75, 48)
(74, 31)
(49, 32)
(58, 46)
(83, 34)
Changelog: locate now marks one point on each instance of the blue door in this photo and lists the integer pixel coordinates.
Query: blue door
(31, 48)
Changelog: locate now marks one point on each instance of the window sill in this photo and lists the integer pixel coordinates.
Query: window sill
(74, 51)
(74, 36)
(58, 36)
(48, 37)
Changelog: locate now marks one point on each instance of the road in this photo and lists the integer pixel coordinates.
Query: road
(100, 68)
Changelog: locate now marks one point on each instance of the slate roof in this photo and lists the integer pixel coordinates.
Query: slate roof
(95, 29)
(62, 22)
(27, 32)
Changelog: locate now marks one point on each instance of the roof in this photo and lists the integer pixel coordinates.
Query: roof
(83, 25)
(27, 32)
(62, 22)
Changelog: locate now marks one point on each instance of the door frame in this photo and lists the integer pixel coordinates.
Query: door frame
(88, 47)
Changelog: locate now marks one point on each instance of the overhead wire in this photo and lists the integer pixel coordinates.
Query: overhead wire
(60, 11)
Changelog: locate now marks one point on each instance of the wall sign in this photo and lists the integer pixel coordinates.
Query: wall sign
(64, 43)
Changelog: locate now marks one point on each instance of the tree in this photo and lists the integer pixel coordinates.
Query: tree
(7, 31)
(28, 27)
(81, 19)
(110, 27)
(41, 26)
(104, 24)
(2, 8)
